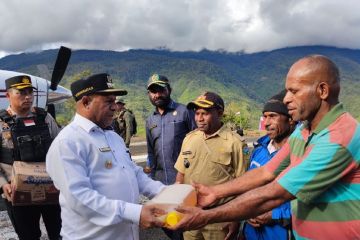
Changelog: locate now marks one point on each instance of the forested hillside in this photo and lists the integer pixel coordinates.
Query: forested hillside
(244, 80)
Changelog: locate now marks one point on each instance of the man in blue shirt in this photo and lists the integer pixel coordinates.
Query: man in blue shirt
(274, 224)
(166, 128)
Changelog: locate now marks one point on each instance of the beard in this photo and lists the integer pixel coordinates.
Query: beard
(161, 102)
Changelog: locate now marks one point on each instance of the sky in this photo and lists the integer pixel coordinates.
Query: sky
(180, 25)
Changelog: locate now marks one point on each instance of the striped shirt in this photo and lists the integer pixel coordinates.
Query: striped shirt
(321, 169)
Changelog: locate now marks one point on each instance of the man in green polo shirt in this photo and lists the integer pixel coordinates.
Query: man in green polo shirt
(318, 167)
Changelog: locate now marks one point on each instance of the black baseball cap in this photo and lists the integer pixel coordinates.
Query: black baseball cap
(19, 82)
(207, 100)
(99, 83)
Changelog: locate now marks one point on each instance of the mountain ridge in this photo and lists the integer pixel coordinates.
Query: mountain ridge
(247, 80)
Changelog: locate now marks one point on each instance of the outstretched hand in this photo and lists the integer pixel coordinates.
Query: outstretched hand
(148, 217)
(205, 194)
(193, 218)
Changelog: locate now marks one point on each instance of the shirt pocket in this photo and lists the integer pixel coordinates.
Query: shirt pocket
(220, 167)
(180, 129)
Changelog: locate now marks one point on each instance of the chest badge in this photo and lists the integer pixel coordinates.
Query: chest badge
(105, 149)
(108, 164)
(186, 163)
(174, 113)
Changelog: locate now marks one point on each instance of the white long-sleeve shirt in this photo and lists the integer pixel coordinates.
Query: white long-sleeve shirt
(99, 184)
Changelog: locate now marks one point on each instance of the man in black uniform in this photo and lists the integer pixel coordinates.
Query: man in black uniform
(20, 122)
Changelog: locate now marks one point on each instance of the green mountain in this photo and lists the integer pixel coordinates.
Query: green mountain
(245, 81)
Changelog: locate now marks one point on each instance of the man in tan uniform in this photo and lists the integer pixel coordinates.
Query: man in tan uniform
(211, 154)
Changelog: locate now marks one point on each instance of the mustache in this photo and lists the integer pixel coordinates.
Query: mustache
(268, 128)
(160, 98)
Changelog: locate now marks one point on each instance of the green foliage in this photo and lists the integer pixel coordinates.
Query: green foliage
(241, 115)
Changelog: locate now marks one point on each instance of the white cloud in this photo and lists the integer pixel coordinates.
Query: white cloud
(231, 25)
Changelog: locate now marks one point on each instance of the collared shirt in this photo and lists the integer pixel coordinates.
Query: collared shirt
(322, 170)
(164, 135)
(99, 184)
(6, 169)
(271, 147)
(213, 159)
(281, 215)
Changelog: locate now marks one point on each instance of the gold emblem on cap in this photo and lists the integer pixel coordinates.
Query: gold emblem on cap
(109, 79)
(25, 80)
(201, 97)
(108, 164)
(155, 77)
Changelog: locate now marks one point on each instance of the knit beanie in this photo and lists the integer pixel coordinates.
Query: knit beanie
(276, 104)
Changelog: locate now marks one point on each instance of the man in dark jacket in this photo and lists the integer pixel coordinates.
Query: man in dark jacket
(166, 128)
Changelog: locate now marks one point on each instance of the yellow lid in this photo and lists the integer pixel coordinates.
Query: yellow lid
(172, 218)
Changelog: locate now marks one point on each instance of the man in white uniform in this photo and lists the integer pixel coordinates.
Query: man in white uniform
(99, 184)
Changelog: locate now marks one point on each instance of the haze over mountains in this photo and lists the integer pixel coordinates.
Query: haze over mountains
(245, 81)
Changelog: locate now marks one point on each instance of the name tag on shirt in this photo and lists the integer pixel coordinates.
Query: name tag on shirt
(105, 149)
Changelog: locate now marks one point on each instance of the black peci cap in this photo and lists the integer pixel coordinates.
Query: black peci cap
(98, 83)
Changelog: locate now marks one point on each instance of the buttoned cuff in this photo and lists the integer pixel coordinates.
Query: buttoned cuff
(132, 212)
